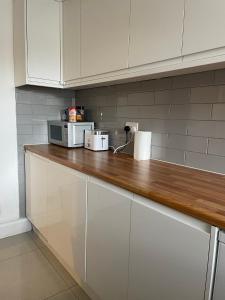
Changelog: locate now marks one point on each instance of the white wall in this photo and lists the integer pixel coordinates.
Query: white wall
(9, 199)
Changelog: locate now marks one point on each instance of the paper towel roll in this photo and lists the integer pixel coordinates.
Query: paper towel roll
(142, 145)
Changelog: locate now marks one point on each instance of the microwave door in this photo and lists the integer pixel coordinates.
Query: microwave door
(56, 133)
(78, 134)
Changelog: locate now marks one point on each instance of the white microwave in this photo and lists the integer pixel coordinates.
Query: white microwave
(68, 134)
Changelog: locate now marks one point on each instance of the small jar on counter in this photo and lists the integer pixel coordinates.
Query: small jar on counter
(80, 113)
(72, 114)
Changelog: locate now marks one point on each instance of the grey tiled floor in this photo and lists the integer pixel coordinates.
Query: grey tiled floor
(28, 271)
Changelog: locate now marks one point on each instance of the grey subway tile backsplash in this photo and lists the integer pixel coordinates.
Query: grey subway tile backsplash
(23, 119)
(208, 94)
(40, 139)
(34, 107)
(128, 111)
(191, 111)
(205, 162)
(220, 76)
(107, 113)
(22, 198)
(162, 83)
(24, 109)
(145, 98)
(155, 111)
(216, 147)
(163, 125)
(169, 155)
(202, 128)
(177, 96)
(176, 126)
(23, 139)
(218, 112)
(39, 129)
(188, 143)
(21, 159)
(120, 99)
(24, 129)
(160, 139)
(47, 110)
(180, 142)
(186, 115)
(194, 80)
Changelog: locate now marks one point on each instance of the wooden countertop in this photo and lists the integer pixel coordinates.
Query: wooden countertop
(197, 193)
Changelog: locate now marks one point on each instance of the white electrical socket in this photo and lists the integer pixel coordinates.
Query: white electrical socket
(133, 126)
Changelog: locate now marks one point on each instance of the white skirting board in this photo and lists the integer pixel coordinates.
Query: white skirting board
(14, 227)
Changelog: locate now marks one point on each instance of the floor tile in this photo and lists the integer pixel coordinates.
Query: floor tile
(67, 295)
(58, 267)
(53, 261)
(29, 277)
(79, 293)
(16, 245)
(76, 290)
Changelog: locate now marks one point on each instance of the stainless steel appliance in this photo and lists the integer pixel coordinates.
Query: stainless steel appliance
(219, 284)
(68, 134)
(96, 140)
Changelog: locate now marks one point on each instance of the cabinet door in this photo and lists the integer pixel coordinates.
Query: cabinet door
(36, 191)
(43, 39)
(108, 227)
(66, 212)
(71, 39)
(156, 30)
(204, 25)
(104, 35)
(219, 287)
(168, 254)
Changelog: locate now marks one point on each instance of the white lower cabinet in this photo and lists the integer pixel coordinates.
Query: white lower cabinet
(56, 206)
(36, 191)
(168, 254)
(118, 245)
(108, 227)
(66, 213)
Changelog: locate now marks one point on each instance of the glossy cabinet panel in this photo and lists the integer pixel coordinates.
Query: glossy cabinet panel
(155, 30)
(66, 213)
(43, 39)
(203, 25)
(104, 36)
(56, 206)
(120, 245)
(36, 192)
(71, 39)
(46, 42)
(76, 43)
(168, 257)
(219, 287)
(108, 227)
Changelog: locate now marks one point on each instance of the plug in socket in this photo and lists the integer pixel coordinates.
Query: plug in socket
(133, 126)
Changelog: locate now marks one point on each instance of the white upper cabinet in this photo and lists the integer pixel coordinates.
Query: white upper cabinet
(156, 28)
(203, 26)
(46, 42)
(74, 43)
(71, 40)
(108, 227)
(104, 36)
(168, 253)
(43, 39)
